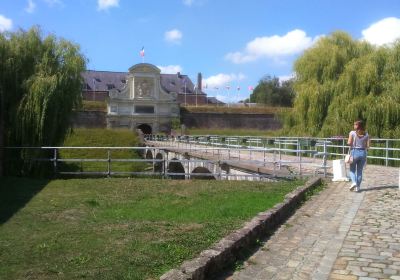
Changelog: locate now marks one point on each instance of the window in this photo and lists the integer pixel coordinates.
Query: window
(144, 109)
(110, 86)
(113, 108)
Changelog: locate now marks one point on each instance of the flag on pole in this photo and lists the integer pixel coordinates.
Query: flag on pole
(142, 52)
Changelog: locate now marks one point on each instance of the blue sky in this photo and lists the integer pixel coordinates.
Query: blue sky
(231, 42)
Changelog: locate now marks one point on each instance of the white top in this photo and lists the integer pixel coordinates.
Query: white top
(359, 142)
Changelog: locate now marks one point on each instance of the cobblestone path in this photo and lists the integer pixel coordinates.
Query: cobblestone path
(337, 234)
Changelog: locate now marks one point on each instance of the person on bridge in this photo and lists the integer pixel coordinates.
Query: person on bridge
(359, 143)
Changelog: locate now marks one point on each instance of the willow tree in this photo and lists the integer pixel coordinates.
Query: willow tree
(340, 80)
(40, 83)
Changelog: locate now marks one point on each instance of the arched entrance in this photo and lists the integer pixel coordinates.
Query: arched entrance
(145, 128)
(203, 170)
(176, 167)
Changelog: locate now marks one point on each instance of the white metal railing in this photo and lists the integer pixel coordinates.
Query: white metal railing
(384, 151)
(160, 167)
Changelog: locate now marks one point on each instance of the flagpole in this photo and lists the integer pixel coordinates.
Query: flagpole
(195, 90)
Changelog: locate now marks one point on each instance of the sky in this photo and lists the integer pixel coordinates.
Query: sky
(233, 43)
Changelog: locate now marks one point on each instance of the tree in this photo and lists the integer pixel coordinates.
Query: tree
(40, 84)
(340, 80)
(271, 91)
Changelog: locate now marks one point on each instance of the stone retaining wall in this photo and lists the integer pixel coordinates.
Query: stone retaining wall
(231, 120)
(89, 119)
(213, 261)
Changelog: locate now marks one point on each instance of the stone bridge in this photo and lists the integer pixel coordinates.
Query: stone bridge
(185, 164)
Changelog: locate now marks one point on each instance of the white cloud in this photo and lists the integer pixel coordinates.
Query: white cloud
(5, 23)
(275, 46)
(31, 7)
(221, 80)
(173, 36)
(170, 69)
(106, 4)
(385, 31)
(284, 78)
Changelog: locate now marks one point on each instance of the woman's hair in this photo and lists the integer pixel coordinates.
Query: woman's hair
(360, 128)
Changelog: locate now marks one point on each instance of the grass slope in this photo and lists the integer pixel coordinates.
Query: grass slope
(101, 138)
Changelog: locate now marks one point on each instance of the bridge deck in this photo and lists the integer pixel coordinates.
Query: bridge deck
(250, 159)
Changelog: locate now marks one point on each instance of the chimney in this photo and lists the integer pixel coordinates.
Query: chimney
(199, 78)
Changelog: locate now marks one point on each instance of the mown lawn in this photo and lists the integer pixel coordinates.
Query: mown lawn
(119, 228)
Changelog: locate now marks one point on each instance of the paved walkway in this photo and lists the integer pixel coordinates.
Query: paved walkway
(338, 234)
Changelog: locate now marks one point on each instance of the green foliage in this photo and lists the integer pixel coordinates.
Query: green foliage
(40, 84)
(340, 80)
(119, 228)
(176, 123)
(272, 92)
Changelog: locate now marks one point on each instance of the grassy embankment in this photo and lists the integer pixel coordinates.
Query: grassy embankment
(101, 138)
(119, 228)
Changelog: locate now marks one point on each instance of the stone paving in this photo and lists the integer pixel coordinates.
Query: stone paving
(337, 234)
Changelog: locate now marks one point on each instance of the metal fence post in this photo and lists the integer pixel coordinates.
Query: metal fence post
(55, 162)
(387, 152)
(108, 163)
(325, 161)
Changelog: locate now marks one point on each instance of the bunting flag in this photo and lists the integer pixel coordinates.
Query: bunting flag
(142, 52)
(238, 88)
(228, 87)
(251, 88)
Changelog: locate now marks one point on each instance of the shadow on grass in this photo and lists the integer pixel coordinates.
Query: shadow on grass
(15, 193)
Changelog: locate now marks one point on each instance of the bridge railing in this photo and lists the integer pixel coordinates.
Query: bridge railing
(383, 151)
(108, 161)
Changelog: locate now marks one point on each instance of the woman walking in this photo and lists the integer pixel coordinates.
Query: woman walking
(359, 143)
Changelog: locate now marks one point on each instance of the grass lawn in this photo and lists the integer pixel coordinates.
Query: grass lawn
(119, 228)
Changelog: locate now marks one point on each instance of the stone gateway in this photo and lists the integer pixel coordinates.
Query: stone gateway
(142, 103)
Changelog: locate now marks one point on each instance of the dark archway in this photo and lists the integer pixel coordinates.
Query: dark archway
(201, 169)
(145, 128)
(149, 155)
(158, 166)
(176, 167)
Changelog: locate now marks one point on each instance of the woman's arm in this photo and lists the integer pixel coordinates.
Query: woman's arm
(350, 140)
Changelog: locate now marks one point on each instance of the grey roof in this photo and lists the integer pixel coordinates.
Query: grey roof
(177, 83)
(106, 80)
(103, 80)
(213, 100)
